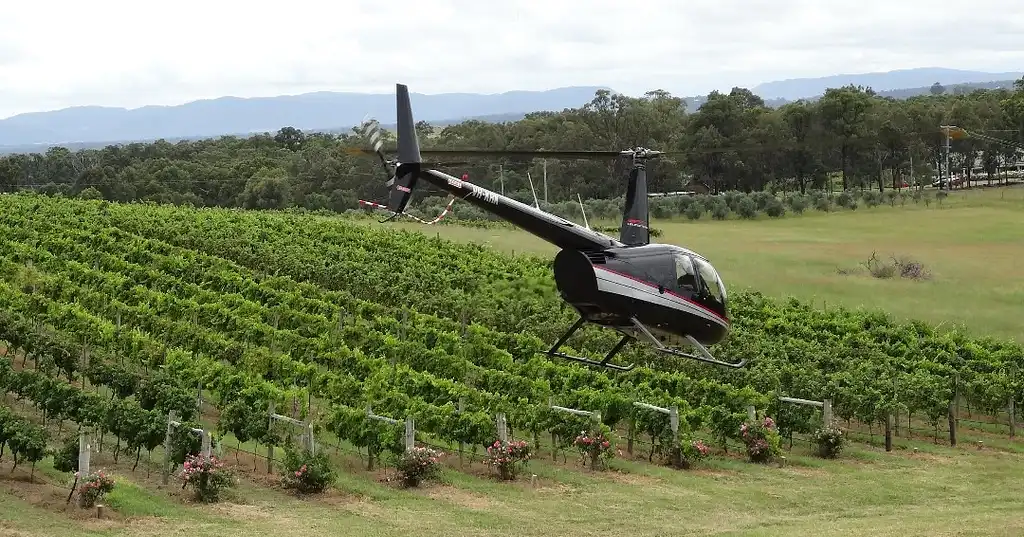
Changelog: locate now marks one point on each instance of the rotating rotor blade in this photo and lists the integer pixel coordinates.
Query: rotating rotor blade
(553, 154)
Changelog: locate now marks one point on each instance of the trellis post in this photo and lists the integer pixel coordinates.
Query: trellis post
(673, 419)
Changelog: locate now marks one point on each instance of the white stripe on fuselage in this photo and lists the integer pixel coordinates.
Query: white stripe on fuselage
(611, 282)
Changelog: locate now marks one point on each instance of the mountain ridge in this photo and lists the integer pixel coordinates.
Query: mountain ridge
(91, 126)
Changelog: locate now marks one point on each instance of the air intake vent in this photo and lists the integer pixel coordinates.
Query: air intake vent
(597, 258)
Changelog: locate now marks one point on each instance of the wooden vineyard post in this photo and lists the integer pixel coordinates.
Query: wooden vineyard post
(172, 422)
(595, 415)
(270, 444)
(84, 454)
(751, 413)
(308, 442)
(502, 426)
(1013, 419)
(205, 442)
(888, 431)
(171, 417)
(554, 440)
(673, 418)
(410, 431)
(462, 445)
(952, 410)
(826, 411)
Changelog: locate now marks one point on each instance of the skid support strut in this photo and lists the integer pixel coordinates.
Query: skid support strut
(704, 356)
(603, 363)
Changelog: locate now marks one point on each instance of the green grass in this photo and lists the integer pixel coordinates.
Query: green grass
(936, 491)
(972, 244)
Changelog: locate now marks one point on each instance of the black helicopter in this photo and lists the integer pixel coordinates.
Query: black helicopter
(659, 293)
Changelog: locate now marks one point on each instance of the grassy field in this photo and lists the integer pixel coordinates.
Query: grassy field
(934, 491)
(972, 245)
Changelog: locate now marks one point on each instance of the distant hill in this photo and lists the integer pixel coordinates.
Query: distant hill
(310, 111)
(799, 88)
(94, 126)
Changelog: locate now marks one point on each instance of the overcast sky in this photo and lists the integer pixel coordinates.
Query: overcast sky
(55, 54)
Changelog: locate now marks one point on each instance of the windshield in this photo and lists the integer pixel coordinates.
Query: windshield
(685, 274)
(714, 285)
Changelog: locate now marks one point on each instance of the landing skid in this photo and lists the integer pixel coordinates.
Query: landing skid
(640, 329)
(603, 363)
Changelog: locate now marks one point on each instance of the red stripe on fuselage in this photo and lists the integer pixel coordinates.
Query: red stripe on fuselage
(669, 291)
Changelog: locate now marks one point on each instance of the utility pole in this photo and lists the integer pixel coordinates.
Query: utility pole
(949, 175)
(545, 180)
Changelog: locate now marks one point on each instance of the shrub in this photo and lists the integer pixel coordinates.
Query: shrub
(694, 211)
(871, 198)
(719, 211)
(94, 487)
(594, 445)
(798, 203)
(844, 199)
(307, 473)
(762, 440)
(746, 208)
(693, 451)
(830, 441)
(508, 457)
(822, 204)
(66, 458)
(206, 476)
(417, 465)
(774, 208)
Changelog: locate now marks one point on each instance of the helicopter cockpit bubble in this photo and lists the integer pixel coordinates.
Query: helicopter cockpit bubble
(713, 282)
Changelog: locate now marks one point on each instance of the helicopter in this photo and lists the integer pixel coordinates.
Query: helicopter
(664, 295)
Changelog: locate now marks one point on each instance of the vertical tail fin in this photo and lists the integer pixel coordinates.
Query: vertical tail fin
(635, 230)
(408, 153)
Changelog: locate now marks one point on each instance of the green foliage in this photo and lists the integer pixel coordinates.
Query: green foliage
(417, 465)
(306, 473)
(329, 329)
(850, 137)
(93, 487)
(508, 457)
(66, 458)
(693, 451)
(830, 441)
(762, 440)
(595, 446)
(207, 476)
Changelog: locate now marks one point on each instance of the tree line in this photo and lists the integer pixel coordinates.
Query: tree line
(849, 138)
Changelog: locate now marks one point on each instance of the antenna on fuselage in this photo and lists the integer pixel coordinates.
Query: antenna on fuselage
(536, 203)
(584, 211)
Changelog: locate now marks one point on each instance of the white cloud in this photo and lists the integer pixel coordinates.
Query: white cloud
(118, 53)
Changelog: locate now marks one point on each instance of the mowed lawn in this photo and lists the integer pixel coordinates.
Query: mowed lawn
(972, 244)
(934, 492)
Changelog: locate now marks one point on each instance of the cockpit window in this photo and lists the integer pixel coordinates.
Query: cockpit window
(713, 281)
(685, 274)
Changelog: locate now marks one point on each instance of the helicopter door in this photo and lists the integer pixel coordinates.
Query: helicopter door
(686, 276)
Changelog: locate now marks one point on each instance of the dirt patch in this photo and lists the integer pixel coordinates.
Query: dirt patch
(245, 512)
(711, 472)
(462, 498)
(930, 457)
(627, 478)
(53, 496)
(803, 471)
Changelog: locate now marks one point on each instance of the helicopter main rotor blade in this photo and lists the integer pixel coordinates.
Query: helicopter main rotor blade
(554, 154)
